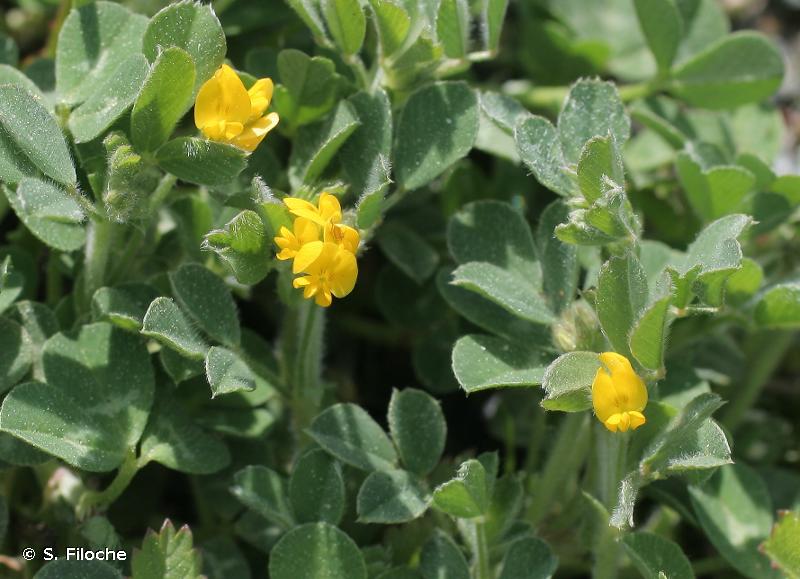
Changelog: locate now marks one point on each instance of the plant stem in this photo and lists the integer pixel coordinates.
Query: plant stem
(611, 450)
(101, 500)
(162, 190)
(483, 569)
(764, 351)
(304, 357)
(565, 457)
(97, 252)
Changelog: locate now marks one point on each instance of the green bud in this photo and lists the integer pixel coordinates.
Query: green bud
(578, 329)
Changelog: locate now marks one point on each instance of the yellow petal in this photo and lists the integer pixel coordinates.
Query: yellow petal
(299, 282)
(343, 235)
(254, 132)
(604, 395)
(305, 230)
(324, 299)
(302, 208)
(260, 96)
(329, 208)
(637, 419)
(307, 256)
(631, 391)
(222, 98)
(343, 278)
(616, 362)
(612, 423)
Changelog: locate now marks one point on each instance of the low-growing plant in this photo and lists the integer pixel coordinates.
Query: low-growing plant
(395, 289)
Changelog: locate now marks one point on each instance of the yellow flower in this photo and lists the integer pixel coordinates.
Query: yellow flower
(330, 270)
(290, 242)
(326, 212)
(618, 394)
(227, 112)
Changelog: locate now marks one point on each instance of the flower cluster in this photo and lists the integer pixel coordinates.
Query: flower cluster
(323, 250)
(618, 394)
(227, 112)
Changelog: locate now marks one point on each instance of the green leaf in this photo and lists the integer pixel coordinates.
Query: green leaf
(227, 372)
(735, 512)
(16, 353)
(110, 101)
(567, 382)
(173, 439)
(49, 212)
(164, 98)
(365, 157)
(621, 297)
(486, 314)
(662, 26)
(66, 569)
(351, 435)
(442, 559)
(15, 451)
(716, 247)
(406, 249)
(494, 14)
(467, 495)
(506, 288)
(346, 24)
(393, 23)
(495, 233)
(316, 551)
(655, 556)
(593, 108)
(716, 192)
(425, 145)
(308, 12)
(317, 144)
(309, 87)
(452, 27)
(94, 41)
(484, 362)
(201, 162)
(124, 305)
(741, 68)
(193, 27)
(10, 75)
(391, 497)
(418, 429)
(779, 307)
(529, 558)
(31, 143)
(691, 441)
(600, 168)
(316, 489)
(168, 554)
(539, 148)
(95, 404)
(265, 492)
(39, 324)
(243, 244)
(166, 323)
(559, 259)
(783, 544)
(206, 298)
(648, 335)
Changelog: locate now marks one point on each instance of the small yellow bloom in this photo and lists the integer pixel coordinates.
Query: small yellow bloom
(330, 270)
(618, 394)
(290, 242)
(227, 112)
(326, 212)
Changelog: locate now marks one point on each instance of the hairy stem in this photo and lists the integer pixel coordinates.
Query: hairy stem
(483, 569)
(564, 460)
(97, 252)
(611, 450)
